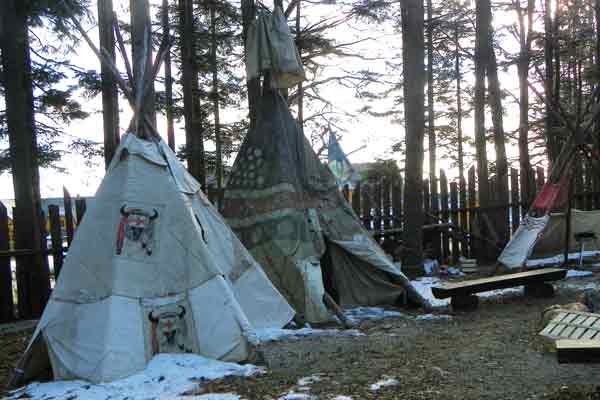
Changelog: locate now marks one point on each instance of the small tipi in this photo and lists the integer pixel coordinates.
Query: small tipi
(285, 206)
(153, 269)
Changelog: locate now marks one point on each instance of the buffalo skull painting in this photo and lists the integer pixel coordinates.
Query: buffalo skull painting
(169, 331)
(136, 228)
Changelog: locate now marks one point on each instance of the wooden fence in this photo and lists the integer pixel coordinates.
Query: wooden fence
(450, 228)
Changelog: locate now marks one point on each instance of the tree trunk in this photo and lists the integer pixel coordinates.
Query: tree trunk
(413, 55)
(142, 42)
(215, 84)
(248, 15)
(431, 130)
(32, 272)
(551, 147)
(110, 95)
(501, 195)
(482, 58)
(168, 77)
(523, 74)
(191, 102)
(459, 131)
(300, 85)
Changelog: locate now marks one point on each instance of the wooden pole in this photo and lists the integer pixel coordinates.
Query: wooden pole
(568, 226)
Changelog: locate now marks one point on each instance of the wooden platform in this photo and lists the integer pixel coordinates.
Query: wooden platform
(573, 325)
(466, 288)
(578, 351)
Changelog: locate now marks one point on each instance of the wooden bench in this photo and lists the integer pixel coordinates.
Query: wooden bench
(578, 351)
(535, 282)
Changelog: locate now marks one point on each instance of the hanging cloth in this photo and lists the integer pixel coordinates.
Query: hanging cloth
(270, 47)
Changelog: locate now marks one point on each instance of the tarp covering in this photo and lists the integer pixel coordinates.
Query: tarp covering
(153, 269)
(285, 206)
(270, 47)
(545, 237)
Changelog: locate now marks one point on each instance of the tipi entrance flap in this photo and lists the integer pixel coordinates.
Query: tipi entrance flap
(312, 279)
(361, 246)
(357, 281)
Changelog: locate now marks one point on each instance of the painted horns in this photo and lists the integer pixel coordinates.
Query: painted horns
(126, 213)
(154, 320)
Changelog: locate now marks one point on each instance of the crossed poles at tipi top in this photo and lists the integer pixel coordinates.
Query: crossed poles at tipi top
(140, 125)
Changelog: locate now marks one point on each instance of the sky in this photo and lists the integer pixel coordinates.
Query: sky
(374, 135)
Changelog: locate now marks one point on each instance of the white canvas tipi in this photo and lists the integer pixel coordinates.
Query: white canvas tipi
(153, 269)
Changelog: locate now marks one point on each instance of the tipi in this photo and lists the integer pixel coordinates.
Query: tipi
(153, 269)
(285, 206)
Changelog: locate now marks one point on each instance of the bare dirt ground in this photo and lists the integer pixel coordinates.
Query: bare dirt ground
(492, 353)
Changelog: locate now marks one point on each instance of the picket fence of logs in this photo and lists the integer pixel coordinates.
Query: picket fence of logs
(450, 230)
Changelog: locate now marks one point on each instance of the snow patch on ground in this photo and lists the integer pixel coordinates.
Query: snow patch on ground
(573, 273)
(297, 396)
(383, 383)
(309, 380)
(423, 286)
(273, 334)
(501, 292)
(359, 314)
(342, 398)
(166, 376)
(559, 258)
(433, 317)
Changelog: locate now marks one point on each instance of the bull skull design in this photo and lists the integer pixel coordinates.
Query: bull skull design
(136, 225)
(169, 331)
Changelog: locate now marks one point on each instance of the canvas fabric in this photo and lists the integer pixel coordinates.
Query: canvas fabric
(285, 206)
(153, 268)
(339, 164)
(545, 237)
(270, 47)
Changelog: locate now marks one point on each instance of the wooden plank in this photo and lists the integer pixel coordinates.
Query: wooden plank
(579, 187)
(426, 201)
(589, 334)
(56, 237)
(434, 206)
(356, 199)
(589, 198)
(366, 206)
(444, 199)
(7, 312)
(578, 351)
(497, 282)
(80, 207)
(377, 206)
(472, 211)
(540, 178)
(69, 226)
(578, 332)
(454, 219)
(386, 204)
(346, 192)
(464, 224)
(514, 199)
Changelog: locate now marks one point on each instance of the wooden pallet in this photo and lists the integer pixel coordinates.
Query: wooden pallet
(578, 351)
(573, 325)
